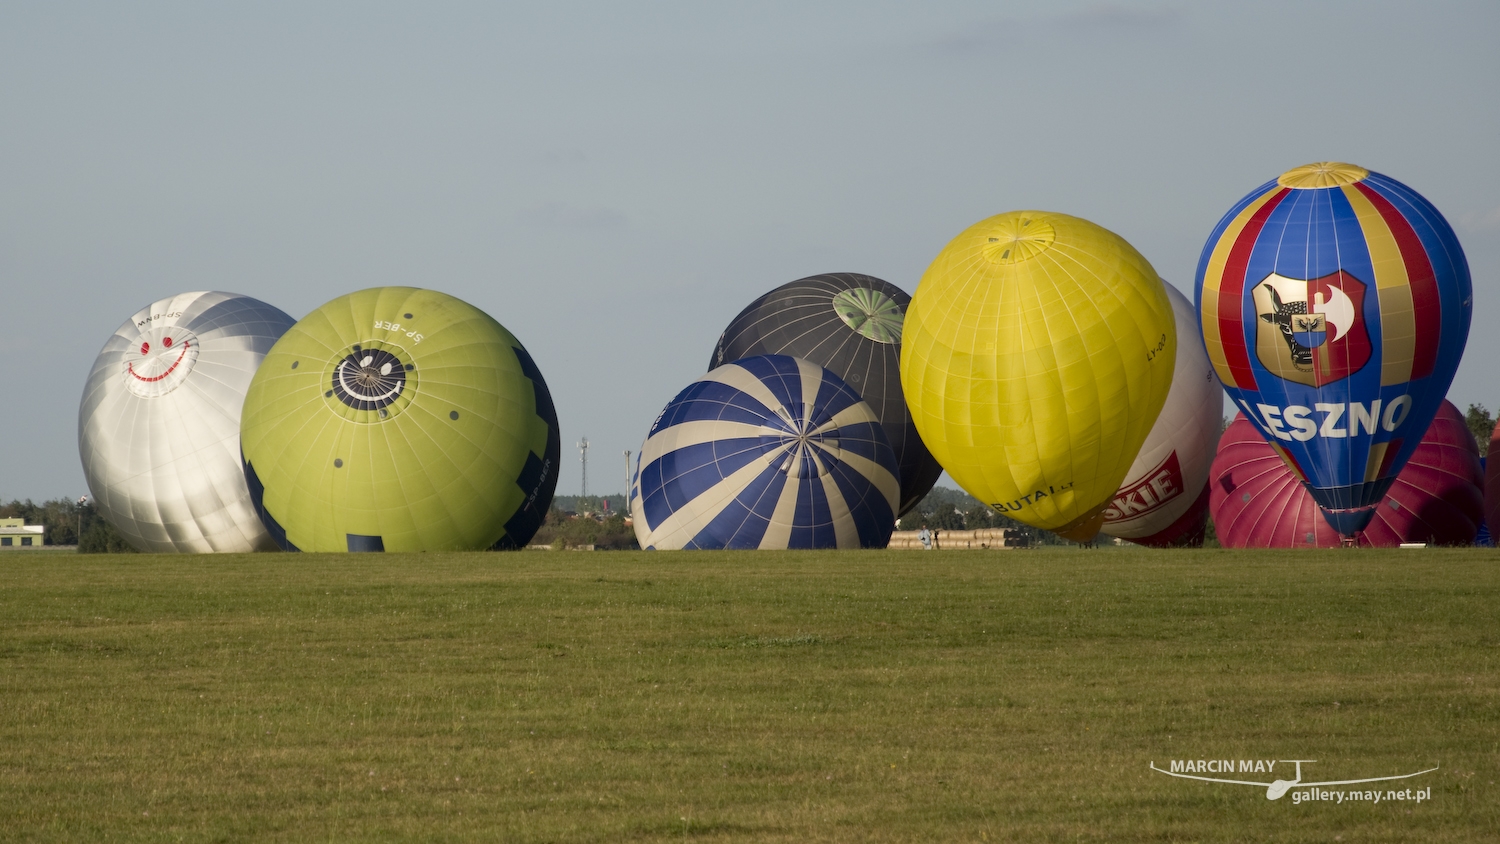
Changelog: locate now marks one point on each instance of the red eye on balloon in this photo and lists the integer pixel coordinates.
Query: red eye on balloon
(167, 341)
(145, 347)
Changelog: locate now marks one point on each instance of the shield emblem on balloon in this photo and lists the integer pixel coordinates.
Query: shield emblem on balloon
(1311, 332)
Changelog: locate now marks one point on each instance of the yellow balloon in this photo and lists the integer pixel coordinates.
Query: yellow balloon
(1035, 357)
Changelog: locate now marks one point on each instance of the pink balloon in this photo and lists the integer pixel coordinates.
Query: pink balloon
(1492, 483)
(1438, 498)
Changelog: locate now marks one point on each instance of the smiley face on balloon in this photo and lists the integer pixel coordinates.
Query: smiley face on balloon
(166, 355)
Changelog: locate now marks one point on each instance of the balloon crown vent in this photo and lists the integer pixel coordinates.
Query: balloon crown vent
(1014, 238)
(369, 382)
(870, 313)
(1322, 174)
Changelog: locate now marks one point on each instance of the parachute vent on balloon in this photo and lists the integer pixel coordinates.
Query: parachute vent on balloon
(850, 324)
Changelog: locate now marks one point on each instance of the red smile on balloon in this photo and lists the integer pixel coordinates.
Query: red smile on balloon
(145, 347)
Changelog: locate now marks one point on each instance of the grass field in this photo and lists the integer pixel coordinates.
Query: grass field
(874, 696)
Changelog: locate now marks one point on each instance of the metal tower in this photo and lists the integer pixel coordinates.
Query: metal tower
(627, 479)
(583, 457)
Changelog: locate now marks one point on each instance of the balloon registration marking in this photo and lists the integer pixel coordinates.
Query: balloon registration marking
(161, 368)
(415, 336)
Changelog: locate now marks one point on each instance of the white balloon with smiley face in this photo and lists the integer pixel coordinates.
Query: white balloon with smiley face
(162, 363)
(159, 425)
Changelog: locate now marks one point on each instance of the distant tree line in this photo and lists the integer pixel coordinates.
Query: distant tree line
(69, 523)
(589, 503)
(564, 529)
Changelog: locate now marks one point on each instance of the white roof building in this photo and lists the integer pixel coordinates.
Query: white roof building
(15, 533)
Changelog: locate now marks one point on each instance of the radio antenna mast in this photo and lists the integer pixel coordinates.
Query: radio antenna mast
(583, 457)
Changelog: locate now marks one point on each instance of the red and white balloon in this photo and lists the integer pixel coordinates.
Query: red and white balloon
(1163, 500)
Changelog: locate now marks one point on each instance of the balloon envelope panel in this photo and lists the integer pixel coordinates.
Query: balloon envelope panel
(767, 452)
(159, 425)
(1335, 304)
(849, 324)
(1492, 483)
(1257, 502)
(1036, 355)
(400, 419)
(1163, 500)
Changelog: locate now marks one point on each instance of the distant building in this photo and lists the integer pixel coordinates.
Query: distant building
(15, 533)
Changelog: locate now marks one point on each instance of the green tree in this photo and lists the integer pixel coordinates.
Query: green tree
(981, 517)
(945, 518)
(1211, 535)
(1481, 425)
(100, 537)
(589, 504)
(611, 534)
(64, 519)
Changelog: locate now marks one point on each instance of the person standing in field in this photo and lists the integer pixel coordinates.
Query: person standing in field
(924, 536)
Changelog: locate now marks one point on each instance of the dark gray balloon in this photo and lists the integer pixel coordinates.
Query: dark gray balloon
(849, 324)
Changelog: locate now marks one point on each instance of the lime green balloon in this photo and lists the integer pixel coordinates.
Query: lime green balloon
(399, 419)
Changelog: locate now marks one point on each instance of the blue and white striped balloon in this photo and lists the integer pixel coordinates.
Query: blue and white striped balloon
(767, 452)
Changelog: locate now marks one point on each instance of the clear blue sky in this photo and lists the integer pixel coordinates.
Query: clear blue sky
(614, 182)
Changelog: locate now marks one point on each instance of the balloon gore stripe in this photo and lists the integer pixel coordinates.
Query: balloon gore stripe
(1427, 308)
(1232, 291)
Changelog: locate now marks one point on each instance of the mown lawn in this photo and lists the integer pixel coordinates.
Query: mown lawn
(793, 697)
